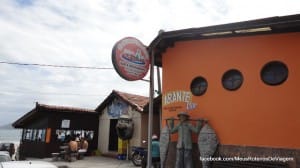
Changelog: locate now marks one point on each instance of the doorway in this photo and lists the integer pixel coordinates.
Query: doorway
(113, 137)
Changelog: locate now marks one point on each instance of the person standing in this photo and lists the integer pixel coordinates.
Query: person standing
(184, 157)
(155, 152)
(11, 150)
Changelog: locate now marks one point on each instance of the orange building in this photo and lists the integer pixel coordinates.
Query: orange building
(244, 78)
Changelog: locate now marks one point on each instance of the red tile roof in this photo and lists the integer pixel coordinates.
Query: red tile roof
(136, 101)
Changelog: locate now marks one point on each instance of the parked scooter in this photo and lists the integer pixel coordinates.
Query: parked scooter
(138, 155)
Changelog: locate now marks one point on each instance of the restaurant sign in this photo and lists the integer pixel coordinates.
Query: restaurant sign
(130, 59)
(178, 100)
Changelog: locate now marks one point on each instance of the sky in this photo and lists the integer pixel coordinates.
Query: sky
(83, 33)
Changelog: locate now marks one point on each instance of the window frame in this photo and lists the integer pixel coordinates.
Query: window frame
(229, 74)
(199, 80)
(278, 75)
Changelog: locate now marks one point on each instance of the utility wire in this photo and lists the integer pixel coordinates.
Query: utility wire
(51, 93)
(56, 66)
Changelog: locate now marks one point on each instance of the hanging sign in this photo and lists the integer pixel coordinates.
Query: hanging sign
(130, 59)
(65, 124)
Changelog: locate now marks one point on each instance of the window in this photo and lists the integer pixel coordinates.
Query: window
(274, 73)
(41, 136)
(198, 86)
(28, 134)
(63, 135)
(232, 79)
(34, 135)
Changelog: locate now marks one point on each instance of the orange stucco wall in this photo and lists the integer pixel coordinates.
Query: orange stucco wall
(256, 114)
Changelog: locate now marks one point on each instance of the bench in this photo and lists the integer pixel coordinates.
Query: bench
(81, 153)
(72, 155)
(55, 156)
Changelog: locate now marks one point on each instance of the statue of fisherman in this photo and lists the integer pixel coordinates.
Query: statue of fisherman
(184, 157)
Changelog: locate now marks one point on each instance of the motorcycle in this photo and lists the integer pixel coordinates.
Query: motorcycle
(139, 156)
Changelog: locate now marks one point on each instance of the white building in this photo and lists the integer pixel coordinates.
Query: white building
(117, 104)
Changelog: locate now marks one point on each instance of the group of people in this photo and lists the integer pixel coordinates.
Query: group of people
(79, 144)
(76, 149)
(75, 146)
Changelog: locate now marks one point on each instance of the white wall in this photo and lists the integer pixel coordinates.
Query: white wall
(104, 124)
(136, 138)
(103, 133)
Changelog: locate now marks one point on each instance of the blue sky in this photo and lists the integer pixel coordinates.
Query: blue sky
(83, 32)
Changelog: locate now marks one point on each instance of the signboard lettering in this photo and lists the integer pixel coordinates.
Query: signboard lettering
(130, 59)
(178, 100)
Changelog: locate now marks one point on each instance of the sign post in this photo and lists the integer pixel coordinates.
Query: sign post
(150, 115)
(131, 61)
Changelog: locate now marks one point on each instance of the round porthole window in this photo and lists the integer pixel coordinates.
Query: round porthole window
(274, 73)
(198, 86)
(232, 79)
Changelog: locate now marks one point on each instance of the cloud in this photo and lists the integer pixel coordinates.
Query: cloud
(83, 32)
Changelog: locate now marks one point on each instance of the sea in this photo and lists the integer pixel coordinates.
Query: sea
(10, 135)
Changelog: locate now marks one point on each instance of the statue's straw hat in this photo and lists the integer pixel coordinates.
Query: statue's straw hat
(184, 114)
(124, 116)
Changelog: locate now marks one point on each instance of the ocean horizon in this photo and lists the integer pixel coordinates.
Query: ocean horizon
(10, 135)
